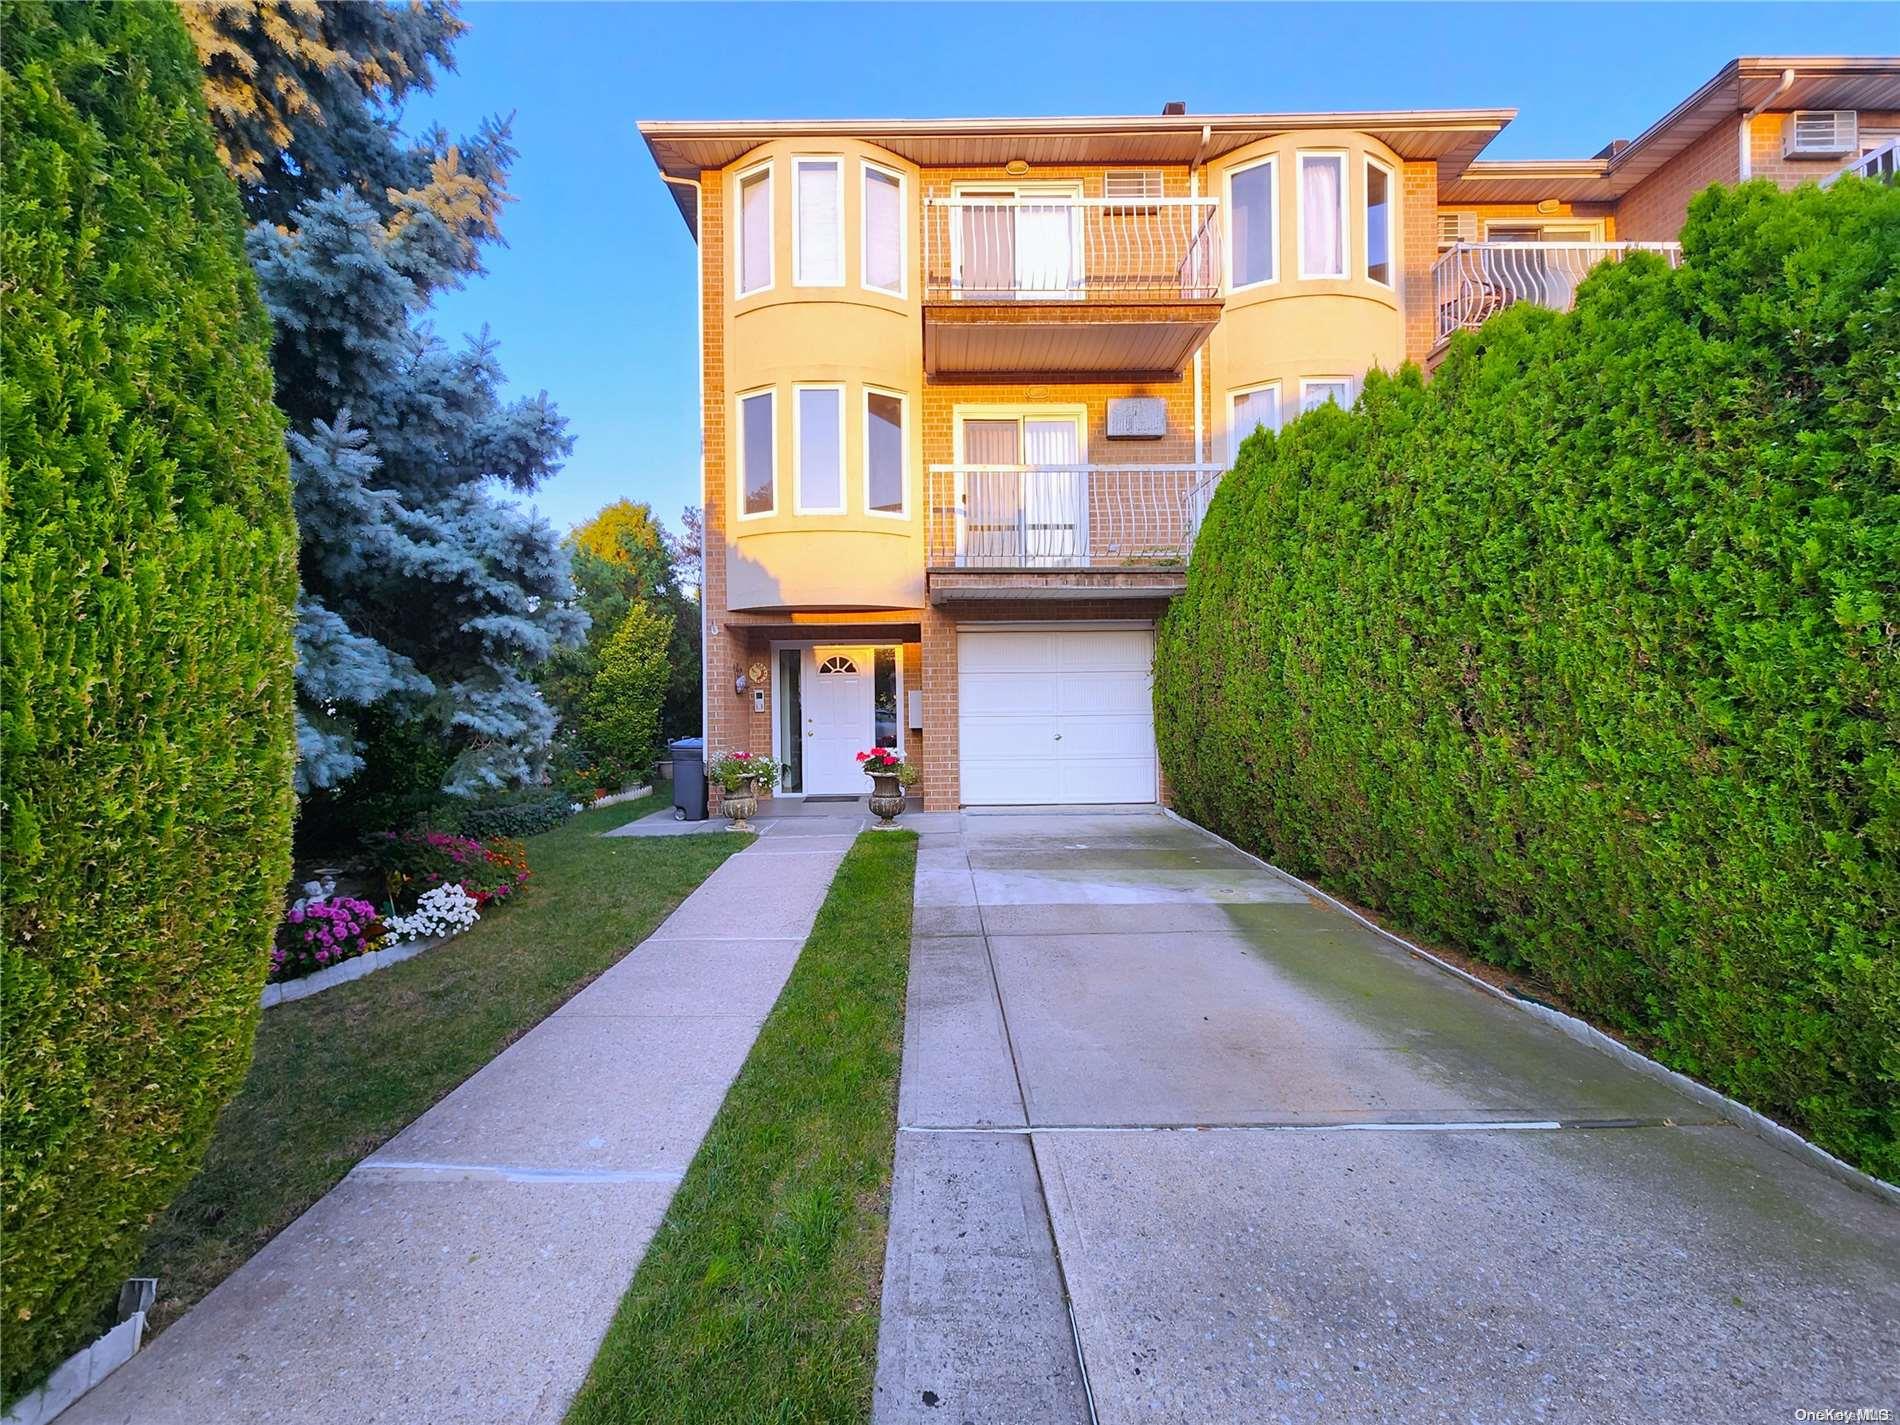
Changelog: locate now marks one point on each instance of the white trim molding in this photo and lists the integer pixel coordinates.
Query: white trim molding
(739, 181)
(739, 466)
(903, 453)
(867, 167)
(799, 388)
(800, 162)
(1272, 164)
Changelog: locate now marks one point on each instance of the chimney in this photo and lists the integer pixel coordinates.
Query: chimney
(1174, 106)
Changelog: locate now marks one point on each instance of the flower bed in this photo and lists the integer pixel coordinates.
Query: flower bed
(317, 934)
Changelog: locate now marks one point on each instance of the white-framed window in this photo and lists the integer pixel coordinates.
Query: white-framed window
(1249, 409)
(1382, 206)
(1322, 215)
(818, 449)
(886, 462)
(1316, 391)
(1253, 225)
(754, 188)
(883, 228)
(758, 454)
(818, 222)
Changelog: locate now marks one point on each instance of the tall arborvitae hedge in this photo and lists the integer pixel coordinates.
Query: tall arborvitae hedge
(149, 575)
(1586, 655)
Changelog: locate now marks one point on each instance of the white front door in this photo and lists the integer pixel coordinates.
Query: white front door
(1056, 716)
(837, 698)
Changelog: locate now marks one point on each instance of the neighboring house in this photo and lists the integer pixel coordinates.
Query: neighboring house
(967, 384)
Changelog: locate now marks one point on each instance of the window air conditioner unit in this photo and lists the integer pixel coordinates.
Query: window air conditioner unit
(1457, 227)
(1820, 133)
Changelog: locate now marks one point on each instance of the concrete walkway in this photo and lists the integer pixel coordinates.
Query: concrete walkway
(1180, 1144)
(467, 1271)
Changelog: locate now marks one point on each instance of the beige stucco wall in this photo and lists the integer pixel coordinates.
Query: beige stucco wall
(1293, 327)
(848, 335)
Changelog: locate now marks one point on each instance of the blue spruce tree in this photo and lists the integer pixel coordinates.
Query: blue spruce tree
(427, 597)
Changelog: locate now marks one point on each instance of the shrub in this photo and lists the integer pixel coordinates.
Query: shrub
(621, 724)
(1583, 657)
(517, 817)
(318, 934)
(148, 581)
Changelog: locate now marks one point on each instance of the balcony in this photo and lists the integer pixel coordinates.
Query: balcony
(1057, 286)
(1474, 281)
(1096, 531)
(1881, 163)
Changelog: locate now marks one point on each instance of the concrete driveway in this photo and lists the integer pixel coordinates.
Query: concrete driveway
(1179, 1143)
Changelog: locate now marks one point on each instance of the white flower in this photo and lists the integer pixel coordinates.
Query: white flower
(446, 910)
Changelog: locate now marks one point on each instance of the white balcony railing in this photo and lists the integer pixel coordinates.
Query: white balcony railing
(1065, 516)
(1475, 280)
(1882, 162)
(1071, 249)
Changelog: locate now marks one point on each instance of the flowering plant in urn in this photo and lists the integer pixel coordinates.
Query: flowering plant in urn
(889, 775)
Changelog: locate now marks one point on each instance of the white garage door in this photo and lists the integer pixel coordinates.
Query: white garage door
(1054, 717)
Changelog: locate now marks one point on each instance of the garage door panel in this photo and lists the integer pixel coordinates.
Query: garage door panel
(1106, 780)
(1102, 648)
(1104, 694)
(1008, 653)
(1009, 694)
(1104, 737)
(1054, 717)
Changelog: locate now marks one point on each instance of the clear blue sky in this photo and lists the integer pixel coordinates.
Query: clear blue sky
(593, 298)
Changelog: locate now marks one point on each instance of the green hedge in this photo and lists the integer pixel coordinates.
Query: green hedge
(148, 580)
(1585, 656)
(518, 816)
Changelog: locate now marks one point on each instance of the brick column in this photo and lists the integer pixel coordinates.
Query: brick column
(1418, 251)
(941, 786)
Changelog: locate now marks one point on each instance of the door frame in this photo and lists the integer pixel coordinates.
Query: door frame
(1019, 412)
(807, 667)
(1017, 191)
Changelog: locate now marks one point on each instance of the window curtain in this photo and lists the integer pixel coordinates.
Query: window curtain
(1251, 410)
(755, 252)
(1055, 502)
(992, 500)
(1324, 254)
(820, 258)
(883, 234)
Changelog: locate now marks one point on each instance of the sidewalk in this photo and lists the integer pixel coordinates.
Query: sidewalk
(467, 1271)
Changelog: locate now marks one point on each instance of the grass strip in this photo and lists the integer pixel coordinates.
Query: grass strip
(336, 1076)
(758, 1297)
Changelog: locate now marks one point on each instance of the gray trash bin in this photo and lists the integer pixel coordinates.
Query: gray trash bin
(689, 778)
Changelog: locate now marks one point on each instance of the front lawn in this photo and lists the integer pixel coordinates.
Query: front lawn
(337, 1075)
(758, 1298)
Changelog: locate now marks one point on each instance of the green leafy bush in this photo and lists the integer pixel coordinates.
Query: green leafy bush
(147, 585)
(1583, 657)
(516, 817)
(620, 723)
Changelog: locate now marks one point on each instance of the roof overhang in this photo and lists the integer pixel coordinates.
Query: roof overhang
(685, 149)
(1741, 85)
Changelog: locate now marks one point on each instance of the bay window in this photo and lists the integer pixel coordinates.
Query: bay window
(755, 230)
(1378, 223)
(818, 474)
(1251, 410)
(1322, 215)
(758, 450)
(883, 230)
(884, 483)
(1252, 224)
(817, 222)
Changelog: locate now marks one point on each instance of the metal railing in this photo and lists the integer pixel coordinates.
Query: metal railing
(1064, 516)
(1474, 281)
(1071, 249)
(1882, 162)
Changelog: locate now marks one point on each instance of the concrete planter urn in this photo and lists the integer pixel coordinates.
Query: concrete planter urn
(889, 775)
(740, 775)
(887, 797)
(741, 806)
